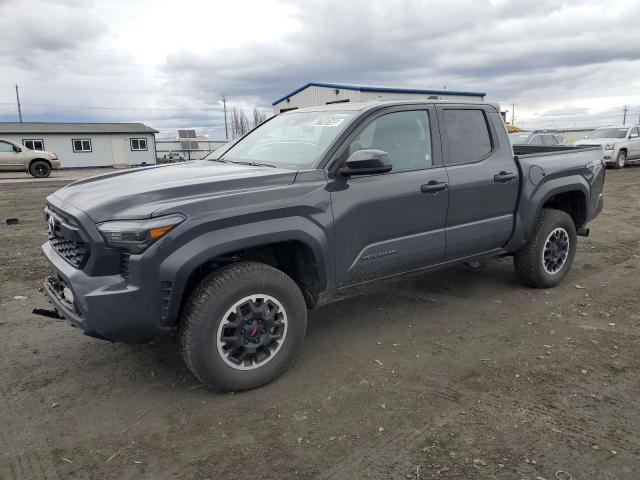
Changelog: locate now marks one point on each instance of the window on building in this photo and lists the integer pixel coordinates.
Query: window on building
(405, 136)
(81, 144)
(138, 144)
(33, 144)
(468, 135)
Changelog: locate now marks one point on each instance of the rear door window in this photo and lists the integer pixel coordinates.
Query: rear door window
(468, 135)
(548, 140)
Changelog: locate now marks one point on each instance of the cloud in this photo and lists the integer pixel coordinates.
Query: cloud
(569, 61)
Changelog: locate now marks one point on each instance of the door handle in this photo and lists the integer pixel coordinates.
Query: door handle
(433, 187)
(504, 177)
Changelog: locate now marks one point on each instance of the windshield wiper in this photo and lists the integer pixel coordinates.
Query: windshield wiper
(253, 164)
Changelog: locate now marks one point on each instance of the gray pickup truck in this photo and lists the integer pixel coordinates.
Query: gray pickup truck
(230, 251)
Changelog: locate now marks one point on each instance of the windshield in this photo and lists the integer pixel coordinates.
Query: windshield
(294, 140)
(518, 138)
(608, 133)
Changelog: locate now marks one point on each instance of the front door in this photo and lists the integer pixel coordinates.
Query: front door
(483, 180)
(634, 143)
(10, 160)
(391, 223)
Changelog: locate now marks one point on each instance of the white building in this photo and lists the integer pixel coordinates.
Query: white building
(318, 93)
(87, 144)
(187, 146)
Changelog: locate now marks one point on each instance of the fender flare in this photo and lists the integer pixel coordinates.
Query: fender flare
(529, 210)
(181, 263)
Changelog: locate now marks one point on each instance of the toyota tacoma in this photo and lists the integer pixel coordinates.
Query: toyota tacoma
(229, 252)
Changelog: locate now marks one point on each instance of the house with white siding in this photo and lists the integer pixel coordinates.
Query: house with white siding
(87, 144)
(318, 93)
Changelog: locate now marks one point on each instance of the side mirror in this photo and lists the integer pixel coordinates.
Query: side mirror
(586, 136)
(366, 162)
(17, 149)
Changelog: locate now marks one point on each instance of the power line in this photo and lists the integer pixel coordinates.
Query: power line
(101, 107)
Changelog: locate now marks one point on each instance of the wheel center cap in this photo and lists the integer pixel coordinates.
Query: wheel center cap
(253, 332)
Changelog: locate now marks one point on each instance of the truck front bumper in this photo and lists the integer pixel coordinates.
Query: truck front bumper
(106, 307)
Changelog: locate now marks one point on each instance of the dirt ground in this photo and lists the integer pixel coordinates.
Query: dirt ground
(458, 374)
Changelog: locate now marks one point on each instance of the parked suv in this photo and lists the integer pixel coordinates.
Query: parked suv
(17, 158)
(230, 251)
(621, 144)
(538, 137)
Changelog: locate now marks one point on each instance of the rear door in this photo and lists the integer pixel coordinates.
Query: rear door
(483, 180)
(391, 223)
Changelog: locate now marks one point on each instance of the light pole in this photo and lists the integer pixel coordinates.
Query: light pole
(18, 100)
(224, 104)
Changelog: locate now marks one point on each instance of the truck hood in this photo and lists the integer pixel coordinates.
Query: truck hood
(137, 193)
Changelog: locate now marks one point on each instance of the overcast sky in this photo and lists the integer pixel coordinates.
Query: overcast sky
(166, 63)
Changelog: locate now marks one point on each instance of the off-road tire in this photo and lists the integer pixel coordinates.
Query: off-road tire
(206, 307)
(529, 262)
(40, 169)
(621, 160)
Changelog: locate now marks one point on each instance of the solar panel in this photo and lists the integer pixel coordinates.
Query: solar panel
(186, 134)
(188, 145)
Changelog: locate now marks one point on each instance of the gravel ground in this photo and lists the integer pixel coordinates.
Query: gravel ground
(459, 374)
(57, 176)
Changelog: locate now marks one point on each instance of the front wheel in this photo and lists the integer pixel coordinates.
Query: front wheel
(547, 258)
(242, 326)
(621, 159)
(40, 169)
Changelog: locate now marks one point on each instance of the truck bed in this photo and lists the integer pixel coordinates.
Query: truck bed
(539, 150)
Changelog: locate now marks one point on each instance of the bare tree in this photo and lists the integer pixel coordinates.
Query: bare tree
(258, 117)
(239, 122)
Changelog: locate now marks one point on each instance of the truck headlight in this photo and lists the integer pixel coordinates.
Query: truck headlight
(609, 146)
(136, 236)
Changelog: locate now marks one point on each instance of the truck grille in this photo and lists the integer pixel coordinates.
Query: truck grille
(64, 237)
(74, 252)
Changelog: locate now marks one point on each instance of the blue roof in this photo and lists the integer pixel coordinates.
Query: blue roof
(370, 88)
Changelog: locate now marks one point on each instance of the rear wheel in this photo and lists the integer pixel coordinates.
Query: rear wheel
(40, 169)
(621, 159)
(547, 258)
(242, 326)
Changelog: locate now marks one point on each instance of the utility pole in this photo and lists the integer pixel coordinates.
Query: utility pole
(513, 114)
(226, 130)
(19, 108)
(624, 119)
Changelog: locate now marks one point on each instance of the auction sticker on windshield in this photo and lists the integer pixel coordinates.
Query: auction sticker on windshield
(327, 122)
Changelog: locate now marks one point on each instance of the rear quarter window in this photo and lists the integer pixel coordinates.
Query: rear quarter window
(467, 134)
